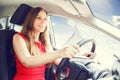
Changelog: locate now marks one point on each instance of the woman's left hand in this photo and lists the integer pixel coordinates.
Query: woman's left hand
(90, 55)
(46, 31)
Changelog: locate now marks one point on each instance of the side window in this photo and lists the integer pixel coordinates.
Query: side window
(5, 24)
(68, 31)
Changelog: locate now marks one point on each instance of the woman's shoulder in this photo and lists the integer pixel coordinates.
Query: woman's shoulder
(19, 36)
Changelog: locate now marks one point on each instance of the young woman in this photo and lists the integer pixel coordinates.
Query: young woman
(32, 47)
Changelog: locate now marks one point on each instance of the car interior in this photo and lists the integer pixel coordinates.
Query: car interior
(81, 68)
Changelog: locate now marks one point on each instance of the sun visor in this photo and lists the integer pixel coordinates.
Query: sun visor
(19, 15)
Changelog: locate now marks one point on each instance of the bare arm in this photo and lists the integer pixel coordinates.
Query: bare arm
(27, 60)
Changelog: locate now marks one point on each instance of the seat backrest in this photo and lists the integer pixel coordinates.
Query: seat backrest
(7, 60)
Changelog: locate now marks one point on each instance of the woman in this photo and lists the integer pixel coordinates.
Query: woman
(32, 47)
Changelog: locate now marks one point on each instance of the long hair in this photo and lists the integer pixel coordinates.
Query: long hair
(28, 28)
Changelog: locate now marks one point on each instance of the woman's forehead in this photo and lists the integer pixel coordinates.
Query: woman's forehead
(42, 13)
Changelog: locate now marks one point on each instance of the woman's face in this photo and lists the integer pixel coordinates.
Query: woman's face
(40, 22)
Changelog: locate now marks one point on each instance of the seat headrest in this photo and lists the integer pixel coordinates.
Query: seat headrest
(19, 15)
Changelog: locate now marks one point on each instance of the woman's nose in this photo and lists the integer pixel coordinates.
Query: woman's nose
(43, 20)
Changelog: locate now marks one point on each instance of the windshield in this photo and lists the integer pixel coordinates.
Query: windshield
(68, 32)
(107, 10)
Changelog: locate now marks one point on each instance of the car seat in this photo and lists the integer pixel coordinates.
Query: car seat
(7, 60)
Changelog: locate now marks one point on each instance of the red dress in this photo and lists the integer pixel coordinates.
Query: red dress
(24, 73)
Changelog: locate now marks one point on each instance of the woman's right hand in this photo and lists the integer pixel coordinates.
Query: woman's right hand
(69, 51)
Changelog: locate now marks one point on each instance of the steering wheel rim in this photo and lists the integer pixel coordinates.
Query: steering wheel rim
(61, 67)
(84, 41)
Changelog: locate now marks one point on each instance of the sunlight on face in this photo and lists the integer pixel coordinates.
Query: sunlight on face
(40, 22)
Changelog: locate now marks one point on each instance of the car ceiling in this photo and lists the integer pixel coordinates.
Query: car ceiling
(65, 8)
(75, 9)
(58, 7)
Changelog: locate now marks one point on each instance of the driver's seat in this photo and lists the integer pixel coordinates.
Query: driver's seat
(7, 60)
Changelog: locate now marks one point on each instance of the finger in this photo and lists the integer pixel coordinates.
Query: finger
(92, 56)
(76, 47)
(74, 50)
(71, 56)
(71, 51)
(85, 54)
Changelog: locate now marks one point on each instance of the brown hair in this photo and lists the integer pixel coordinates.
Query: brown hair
(27, 28)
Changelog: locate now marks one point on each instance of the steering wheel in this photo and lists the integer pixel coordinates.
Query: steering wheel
(61, 69)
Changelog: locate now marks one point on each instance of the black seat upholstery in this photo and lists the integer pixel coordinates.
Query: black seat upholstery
(7, 60)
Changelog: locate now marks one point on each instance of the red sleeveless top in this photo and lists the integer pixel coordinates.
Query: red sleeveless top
(24, 73)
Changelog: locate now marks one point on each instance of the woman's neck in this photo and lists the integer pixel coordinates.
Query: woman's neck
(37, 37)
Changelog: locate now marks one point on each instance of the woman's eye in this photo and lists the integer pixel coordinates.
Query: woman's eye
(39, 18)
